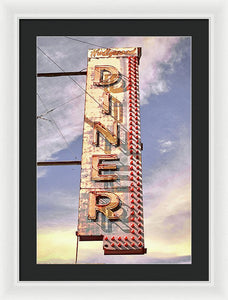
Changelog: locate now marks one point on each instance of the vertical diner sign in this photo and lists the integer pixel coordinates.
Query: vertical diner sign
(111, 198)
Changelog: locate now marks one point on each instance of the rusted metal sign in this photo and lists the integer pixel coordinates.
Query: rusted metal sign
(111, 198)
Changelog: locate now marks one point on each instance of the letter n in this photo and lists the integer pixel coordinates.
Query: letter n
(98, 127)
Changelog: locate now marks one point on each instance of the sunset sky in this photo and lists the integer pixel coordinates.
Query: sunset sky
(165, 95)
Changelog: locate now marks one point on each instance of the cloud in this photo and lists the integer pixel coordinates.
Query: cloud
(62, 125)
(167, 199)
(58, 246)
(173, 168)
(167, 212)
(158, 59)
(167, 189)
(165, 145)
(168, 222)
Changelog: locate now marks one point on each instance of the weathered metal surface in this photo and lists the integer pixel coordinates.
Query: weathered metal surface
(111, 199)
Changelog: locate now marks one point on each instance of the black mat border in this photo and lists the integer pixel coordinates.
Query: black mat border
(198, 29)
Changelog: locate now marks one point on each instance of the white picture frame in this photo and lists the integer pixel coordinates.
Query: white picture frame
(10, 286)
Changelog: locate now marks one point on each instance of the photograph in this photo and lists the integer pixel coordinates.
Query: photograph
(114, 149)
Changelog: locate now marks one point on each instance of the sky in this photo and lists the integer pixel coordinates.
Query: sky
(165, 96)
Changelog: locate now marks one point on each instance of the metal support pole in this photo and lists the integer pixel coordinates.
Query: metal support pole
(58, 163)
(76, 254)
(61, 74)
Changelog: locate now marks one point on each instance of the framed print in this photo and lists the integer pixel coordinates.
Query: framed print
(114, 150)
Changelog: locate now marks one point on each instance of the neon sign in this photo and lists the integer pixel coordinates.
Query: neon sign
(111, 199)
